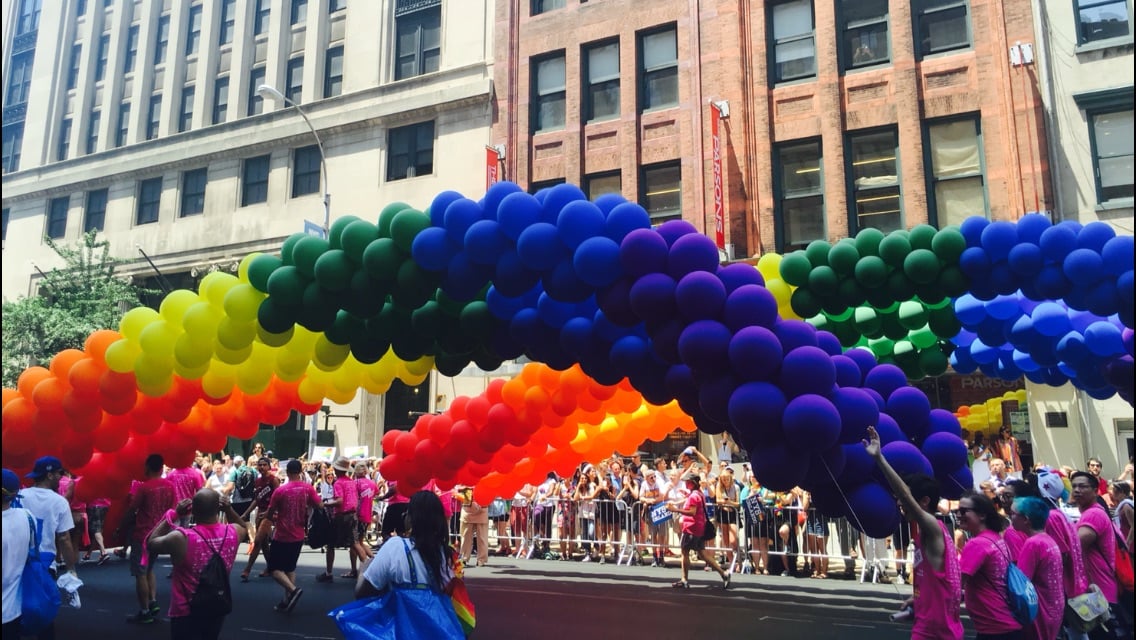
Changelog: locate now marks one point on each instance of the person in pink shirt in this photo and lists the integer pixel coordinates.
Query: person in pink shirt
(936, 576)
(186, 481)
(148, 505)
(367, 491)
(190, 550)
(288, 510)
(1098, 539)
(395, 515)
(344, 505)
(1040, 560)
(80, 537)
(693, 512)
(984, 562)
(1058, 526)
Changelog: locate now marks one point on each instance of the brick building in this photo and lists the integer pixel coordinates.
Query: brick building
(841, 114)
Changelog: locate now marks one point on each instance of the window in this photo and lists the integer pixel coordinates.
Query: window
(1101, 19)
(941, 25)
(57, 217)
(537, 187)
(101, 63)
(149, 200)
(220, 100)
(95, 215)
(131, 49)
(228, 21)
(418, 41)
(80, 8)
(193, 192)
(410, 151)
(336, 5)
(799, 207)
(874, 181)
(73, 67)
(155, 117)
(185, 119)
(13, 139)
(1056, 420)
(254, 181)
(598, 184)
(865, 32)
(661, 192)
(601, 100)
(64, 140)
(162, 41)
(20, 79)
(28, 19)
(123, 124)
(548, 93)
(794, 45)
(260, 19)
(294, 80)
(958, 188)
(193, 35)
(305, 171)
(658, 55)
(542, 6)
(1112, 153)
(255, 102)
(333, 72)
(4, 231)
(299, 11)
(93, 132)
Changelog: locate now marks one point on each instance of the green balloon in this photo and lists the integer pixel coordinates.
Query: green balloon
(899, 286)
(879, 298)
(842, 316)
(923, 338)
(929, 293)
(411, 346)
(881, 347)
(386, 216)
(286, 286)
(910, 367)
(274, 318)
(948, 244)
(413, 286)
(817, 252)
(382, 259)
(335, 233)
(903, 350)
(356, 237)
(894, 249)
(843, 256)
(448, 305)
(278, 339)
(868, 241)
(867, 322)
(921, 266)
(891, 307)
(795, 269)
(306, 252)
(892, 327)
(406, 225)
(871, 271)
(343, 328)
(452, 340)
(385, 324)
(334, 270)
(260, 269)
(820, 322)
(368, 349)
(805, 303)
(289, 245)
(943, 322)
(451, 364)
(850, 293)
(319, 308)
(427, 319)
(912, 315)
(365, 296)
(953, 282)
(328, 355)
(823, 281)
(933, 361)
(921, 236)
(846, 334)
(476, 320)
(937, 304)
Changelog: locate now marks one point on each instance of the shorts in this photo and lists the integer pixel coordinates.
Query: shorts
(96, 517)
(362, 527)
(241, 507)
(817, 525)
(393, 519)
(284, 556)
(137, 552)
(346, 532)
(691, 542)
(901, 539)
(727, 516)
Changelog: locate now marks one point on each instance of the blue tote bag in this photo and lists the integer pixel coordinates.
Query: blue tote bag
(37, 588)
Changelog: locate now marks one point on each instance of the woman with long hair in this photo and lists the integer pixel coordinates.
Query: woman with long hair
(984, 562)
(727, 499)
(429, 549)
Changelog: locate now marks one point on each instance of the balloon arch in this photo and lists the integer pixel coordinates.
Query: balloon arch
(639, 331)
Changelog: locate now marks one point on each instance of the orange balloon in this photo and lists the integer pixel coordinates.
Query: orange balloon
(536, 399)
(10, 395)
(98, 342)
(31, 377)
(18, 414)
(513, 393)
(563, 402)
(63, 361)
(48, 394)
(84, 378)
(549, 378)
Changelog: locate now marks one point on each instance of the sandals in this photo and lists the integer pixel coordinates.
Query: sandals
(244, 576)
(350, 574)
(103, 558)
(87, 556)
(324, 577)
(681, 584)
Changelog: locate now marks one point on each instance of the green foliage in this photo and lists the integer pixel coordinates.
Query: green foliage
(80, 297)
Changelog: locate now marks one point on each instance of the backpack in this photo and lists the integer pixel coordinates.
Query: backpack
(213, 597)
(319, 529)
(1020, 596)
(244, 484)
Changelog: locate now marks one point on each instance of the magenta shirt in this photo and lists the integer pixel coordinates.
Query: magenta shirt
(223, 538)
(76, 505)
(1101, 557)
(937, 593)
(289, 506)
(186, 482)
(984, 561)
(397, 498)
(1040, 560)
(367, 490)
(153, 498)
(346, 490)
(695, 524)
(1073, 566)
(1014, 540)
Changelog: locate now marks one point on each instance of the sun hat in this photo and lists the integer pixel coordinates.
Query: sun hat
(342, 463)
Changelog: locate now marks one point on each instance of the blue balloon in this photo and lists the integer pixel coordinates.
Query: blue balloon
(700, 295)
(1031, 226)
(643, 251)
(964, 338)
(460, 216)
(1002, 279)
(738, 275)
(824, 468)
(794, 334)
(807, 370)
(906, 459)
(1051, 319)
(1072, 349)
(847, 371)
(858, 411)
(1022, 333)
(517, 212)
(576, 336)
(998, 238)
(578, 221)
(945, 452)
(1024, 362)
(1103, 298)
(597, 261)
(1025, 260)
(1118, 255)
(863, 359)
(484, 242)
(974, 263)
(679, 382)
(705, 345)
(512, 277)
(438, 207)
(540, 247)
(524, 327)
(750, 305)
(1083, 267)
(501, 306)
(755, 353)
(1058, 242)
(943, 421)
(464, 280)
(497, 193)
(962, 362)
(691, 253)
(911, 410)
(554, 313)
(872, 509)
(653, 296)
(557, 198)
(631, 355)
(432, 249)
(672, 230)
(983, 353)
(1095, 235)
(1104, 339)
(811, 423)
(885, 379)
(1003, 307)
(972, 229)
(562, 283)
(625, 218)
(609, 201)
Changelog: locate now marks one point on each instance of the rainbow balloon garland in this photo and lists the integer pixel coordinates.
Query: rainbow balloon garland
(640, 331)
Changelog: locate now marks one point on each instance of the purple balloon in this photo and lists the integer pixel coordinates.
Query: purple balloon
(858, 411)
(794, 334)
(653, 296)
(700, 296)
(945, 452)
(943, 421)
(863, 358)
(705, 345)
(807, 370)
(876, 397)
(824, 468)
(952, 485)
(691, 253)
(888, 430)
(673, 230)
(811, 423)
(847, 371)
(739, 274)
(664, 339)
(750, 306)
(643, 251)
(755, 353)
(755, 409)
(873, 510)
(911, 410)
(777, 467)
(885, 379)
(615, 301)
(829, 343)
(714, 397)
(858, 465)
(906, 459)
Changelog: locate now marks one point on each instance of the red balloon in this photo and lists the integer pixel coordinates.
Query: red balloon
(440, 429)
(19, 413)
(391, 467)
(18, 440)
(457, 407)
(117, 385)
(112, 433)
(464, 435)
(427, 454)
(404, 446)
(79, 449)
(453, 456)
(244, 430)
(119, 405)
(493, 391)
(477, 411)
(388, 441)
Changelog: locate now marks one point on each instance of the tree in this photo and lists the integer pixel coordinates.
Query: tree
(74, 300)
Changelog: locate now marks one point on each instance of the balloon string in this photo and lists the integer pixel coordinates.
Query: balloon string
(851, 511)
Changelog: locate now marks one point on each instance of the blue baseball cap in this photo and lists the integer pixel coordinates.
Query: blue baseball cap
(44, 466)
(11, 483)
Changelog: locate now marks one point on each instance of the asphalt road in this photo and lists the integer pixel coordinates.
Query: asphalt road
(534, 599)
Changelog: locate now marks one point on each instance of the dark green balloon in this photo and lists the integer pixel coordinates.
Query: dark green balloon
(894, 249)
(335, 233)
(904, 351)
(912, 315)
(900, 287)
(850, 293)
(933, 361)
(921, 236)
(319, 308)
(823, 281)
(476, 320)
(405, 226)
(921, 266)
(450, 365)
(366, 296)
(306, 252)
(944, 322)
(892, 328)
(868, 241)
(805, 303)
(413, 286)
(411, 346)
(382, 259)
(427, 319)
(879, 298)
(369, 349)
(948, 244)
(821, 322)
(452, 340)
(795, 269)
(846, 334)
(344, 328)
(843, 257)
(261, 268)
(487, 362)
(953, 281)
(930, 294)
(334, 270)
(448, 305)
(923, 338)
(817, 252)
(871, 271)
(386, 216)
(385, 324)
(288, 246)
(835, 309)
(273, 318)
(867, 322)
(286, 285)
(356, 237)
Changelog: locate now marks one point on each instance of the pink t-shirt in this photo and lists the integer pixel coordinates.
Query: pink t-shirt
(984, 561)
(397, 498)
(201, 541)
(64, 483)
(695, 524)
(186, 482)
(937, 593)
(289, 510)
(367, 490)
(1040, 560)
(1101, 557)
(1061, 530)
(153, 498)
(346, 490)
(1014, 540)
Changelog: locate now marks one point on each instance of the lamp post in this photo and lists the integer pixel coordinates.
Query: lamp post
(271, 93)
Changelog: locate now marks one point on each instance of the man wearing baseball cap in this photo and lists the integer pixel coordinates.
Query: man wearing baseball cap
(52, 514)
(17, 538)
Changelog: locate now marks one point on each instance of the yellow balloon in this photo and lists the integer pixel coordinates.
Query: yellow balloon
(175, 304)
(420, 366)
(135, 320)
(201, 320)
(769, 265)
(243, 269)
(231, 356)
(156, 388)
(290, 364)
(343, 381)
(328, 355)
(310, 391)
(303, 341)
(158, 339)
(216, 386)
(152, 370)
(191, 353)
(235, 335)
(121, 354)
(242, 301)
(215, 285)
(190, 373)
(253, 380)
(341, 397)
(413, 380)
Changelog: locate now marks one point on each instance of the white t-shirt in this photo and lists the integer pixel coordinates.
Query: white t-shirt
(390, 567)
(17, 537)
(52, 512)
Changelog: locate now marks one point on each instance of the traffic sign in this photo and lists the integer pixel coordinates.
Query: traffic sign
(313, 229)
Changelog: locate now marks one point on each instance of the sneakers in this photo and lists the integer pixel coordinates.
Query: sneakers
(726, 581)
(324, 577)
(681, 584)
(142, 617)
(103, 559)
(603, 559)
(293, 598)
(587, 558)
(155, 610)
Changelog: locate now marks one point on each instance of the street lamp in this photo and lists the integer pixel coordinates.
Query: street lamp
(271, 93)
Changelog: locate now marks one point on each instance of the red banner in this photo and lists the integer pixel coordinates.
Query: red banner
(719, 204)
(491, 162)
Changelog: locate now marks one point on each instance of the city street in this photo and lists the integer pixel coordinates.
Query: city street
(538, 599)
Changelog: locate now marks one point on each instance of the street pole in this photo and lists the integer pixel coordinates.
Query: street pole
(267, 91)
